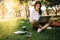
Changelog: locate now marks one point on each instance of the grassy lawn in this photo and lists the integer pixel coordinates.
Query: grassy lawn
(7, 28)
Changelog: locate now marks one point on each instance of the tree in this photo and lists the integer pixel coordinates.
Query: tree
(26, 6)
(53, 2)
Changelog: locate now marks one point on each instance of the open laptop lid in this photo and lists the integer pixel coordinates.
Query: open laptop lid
(44, 18)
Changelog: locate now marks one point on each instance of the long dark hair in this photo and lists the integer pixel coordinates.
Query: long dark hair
(38, 2)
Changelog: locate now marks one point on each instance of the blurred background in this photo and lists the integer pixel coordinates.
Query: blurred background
(14, 15)
(22, 8)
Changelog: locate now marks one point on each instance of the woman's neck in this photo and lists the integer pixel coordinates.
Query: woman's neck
(36, 10)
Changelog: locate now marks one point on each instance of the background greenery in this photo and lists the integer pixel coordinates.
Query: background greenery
(45, 2)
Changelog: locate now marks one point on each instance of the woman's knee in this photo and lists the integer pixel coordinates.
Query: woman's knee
(33, 21)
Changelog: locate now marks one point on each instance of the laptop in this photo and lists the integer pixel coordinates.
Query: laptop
(44, 18)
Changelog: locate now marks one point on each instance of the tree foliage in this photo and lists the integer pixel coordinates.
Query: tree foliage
(53, 2)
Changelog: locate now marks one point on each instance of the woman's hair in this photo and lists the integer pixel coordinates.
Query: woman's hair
(38, 2)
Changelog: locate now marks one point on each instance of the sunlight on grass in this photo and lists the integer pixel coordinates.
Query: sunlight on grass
(8, 26)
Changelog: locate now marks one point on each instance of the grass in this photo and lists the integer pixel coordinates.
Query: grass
(8, 27)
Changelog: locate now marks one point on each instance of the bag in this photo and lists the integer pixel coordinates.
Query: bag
(56, 23)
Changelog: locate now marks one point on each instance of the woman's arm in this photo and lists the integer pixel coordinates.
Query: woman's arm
(31, 16)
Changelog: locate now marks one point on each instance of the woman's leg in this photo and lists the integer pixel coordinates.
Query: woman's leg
(47, 24)
(35, 24)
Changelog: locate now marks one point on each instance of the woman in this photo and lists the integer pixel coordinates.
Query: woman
(35, 15)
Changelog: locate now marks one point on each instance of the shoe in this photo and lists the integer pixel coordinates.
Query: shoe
(49, 27)
(39, 30)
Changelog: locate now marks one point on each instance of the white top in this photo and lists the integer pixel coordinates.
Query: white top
(34, 15)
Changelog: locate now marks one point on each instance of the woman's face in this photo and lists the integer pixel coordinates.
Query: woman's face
(37, 7)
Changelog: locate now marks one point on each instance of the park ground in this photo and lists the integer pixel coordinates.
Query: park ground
(7, 27)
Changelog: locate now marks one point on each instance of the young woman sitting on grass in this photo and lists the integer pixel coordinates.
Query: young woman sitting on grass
(34, 17)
